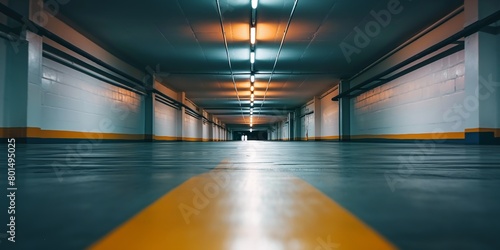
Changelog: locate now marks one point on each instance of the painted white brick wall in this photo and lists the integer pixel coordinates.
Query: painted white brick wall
(190, 126)
(414, 103)
(284, 131)
(73, 101)
(206, 128)
(165, 123)
(329, 115)
(307, 122)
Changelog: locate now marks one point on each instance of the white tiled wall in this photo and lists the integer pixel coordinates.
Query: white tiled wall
(165, 120)
(206, 128)
(73, 101)
(414, 103)
(190, 126)
(329, 115)
(307, 122)
(34, 112)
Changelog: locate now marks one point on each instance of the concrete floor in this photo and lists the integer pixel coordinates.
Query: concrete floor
(256, 195)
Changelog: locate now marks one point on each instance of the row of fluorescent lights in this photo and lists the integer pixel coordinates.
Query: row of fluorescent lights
(253, 30)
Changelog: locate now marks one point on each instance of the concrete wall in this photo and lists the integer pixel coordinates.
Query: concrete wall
(165, 122)
(307, 128)
(190, 128)
(74, 101)
(279, 131)
(323, 122)
(416, 103)
(329, 116)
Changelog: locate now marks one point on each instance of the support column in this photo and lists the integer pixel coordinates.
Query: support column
(21, 79)
(344, 113)
(298, 125)
(317, 119)
(291, 126)
(210, 128)
(200, 126)
(149, 114)
(180, 116)
(34, 88)
(480, 108)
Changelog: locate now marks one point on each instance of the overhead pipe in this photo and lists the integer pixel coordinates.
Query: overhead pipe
(467, 31)
(61, 57)
(189, 109)
(413, 39)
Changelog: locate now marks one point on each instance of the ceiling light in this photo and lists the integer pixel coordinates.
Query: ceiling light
(251, 130)
(251, 112)
(251, 125)
(251, 109)
(251, 103)
(252, 88)
(252, 35)
(252, 57)
(251, 98)
(254, 4)
(252, 78)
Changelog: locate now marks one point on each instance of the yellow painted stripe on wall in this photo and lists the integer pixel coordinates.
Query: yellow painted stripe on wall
(190, 139)
(174, 138)
(61, 134)
(496, 131)
(13, 132)
(423, 136)
(226, 209)
(166, 138)
(333, 137)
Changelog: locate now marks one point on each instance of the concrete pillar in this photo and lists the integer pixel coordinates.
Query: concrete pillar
(291, 125)
(297, 125)
(180, 116)
(210, 129)
(200, 127)
(344, 113)
(149, 114)
(21, 79)
(480, 108)
(317, 119)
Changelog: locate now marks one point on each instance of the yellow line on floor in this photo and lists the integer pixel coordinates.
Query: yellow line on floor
(235, 209)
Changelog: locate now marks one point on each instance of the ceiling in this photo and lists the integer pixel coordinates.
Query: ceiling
(184, 42)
